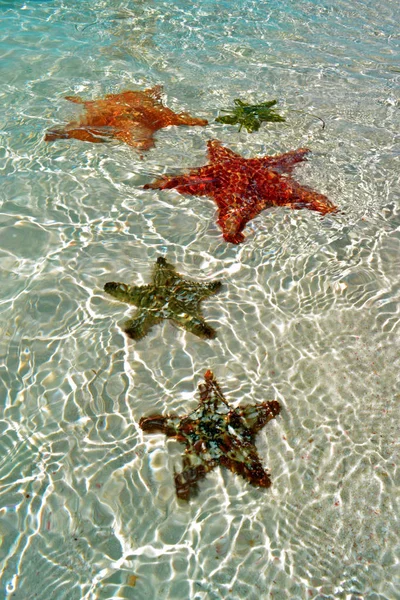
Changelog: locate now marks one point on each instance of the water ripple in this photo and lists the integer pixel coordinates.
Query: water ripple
(308, 313)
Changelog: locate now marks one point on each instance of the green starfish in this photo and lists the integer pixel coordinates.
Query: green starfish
(250, 116)
(169, 296)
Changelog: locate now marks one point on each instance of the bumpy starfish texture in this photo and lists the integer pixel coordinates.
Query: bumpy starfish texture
(243, 187)
(250, 116)
(169, 296)
(131, 117)
(216, 434)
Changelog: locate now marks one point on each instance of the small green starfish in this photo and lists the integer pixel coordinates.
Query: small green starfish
(250, 116)
(169, 296)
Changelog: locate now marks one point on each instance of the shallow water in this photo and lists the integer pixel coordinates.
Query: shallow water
(309, 311)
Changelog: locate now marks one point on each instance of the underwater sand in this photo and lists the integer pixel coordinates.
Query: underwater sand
(309, 313)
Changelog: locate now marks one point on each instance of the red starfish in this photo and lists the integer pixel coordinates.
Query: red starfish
(243, 187)
(132, 117)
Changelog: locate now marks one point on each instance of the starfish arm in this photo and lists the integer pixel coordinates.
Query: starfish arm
(194, 469)
(230, 219)
(284, 163)
(194, 324)
(257, 416)
(75, 99)
(251, 470)
(186, 119)
(140, 137)
(127, 293)
(57, 133)
(169, 425)
(167, 182)
(218, 153)
(155, 92)
(198, 182)
(137, 327)
(84, 133)
(205, 290)
(189, 294)
(164, 274)
(210, 388)
(304, 197)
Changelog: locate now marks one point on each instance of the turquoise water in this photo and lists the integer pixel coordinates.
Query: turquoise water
(309, 313)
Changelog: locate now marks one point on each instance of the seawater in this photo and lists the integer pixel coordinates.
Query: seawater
(309, 311)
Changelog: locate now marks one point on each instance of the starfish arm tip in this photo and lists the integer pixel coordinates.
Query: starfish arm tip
(58, 133)
(75, 99)
(109, 286)
(209, 375)
(134, 333)
(209, 289)
(187, 119)
(215, 286)
(152, 424)
(116, 289)
(234, 238)
(124, 293)
(203, 330)
(258, 415)
(186, 482)
(159, 424)
(252, 471)
(137, 329)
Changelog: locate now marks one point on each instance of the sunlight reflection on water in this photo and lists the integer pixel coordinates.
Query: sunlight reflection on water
(308, 314)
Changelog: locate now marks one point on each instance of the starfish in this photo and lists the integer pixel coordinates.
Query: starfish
(243, 187)
(169, 296)
(216, 437)
(250, 116)
(132, 117)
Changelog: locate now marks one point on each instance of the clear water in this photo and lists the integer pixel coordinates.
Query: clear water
(309, 313)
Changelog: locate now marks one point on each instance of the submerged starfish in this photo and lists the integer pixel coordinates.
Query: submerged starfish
(243, 187)
(250, 116)
(216, 437)
(132, 117)
(169, 296)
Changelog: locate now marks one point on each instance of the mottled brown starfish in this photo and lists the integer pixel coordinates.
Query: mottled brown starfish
(243, 187)
(169, 296)
(132, 117)
(216, 437)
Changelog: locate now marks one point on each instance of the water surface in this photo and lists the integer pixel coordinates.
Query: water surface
(309, 313)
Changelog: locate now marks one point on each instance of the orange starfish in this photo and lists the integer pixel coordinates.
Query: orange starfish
(132, 117)
(243, 187)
